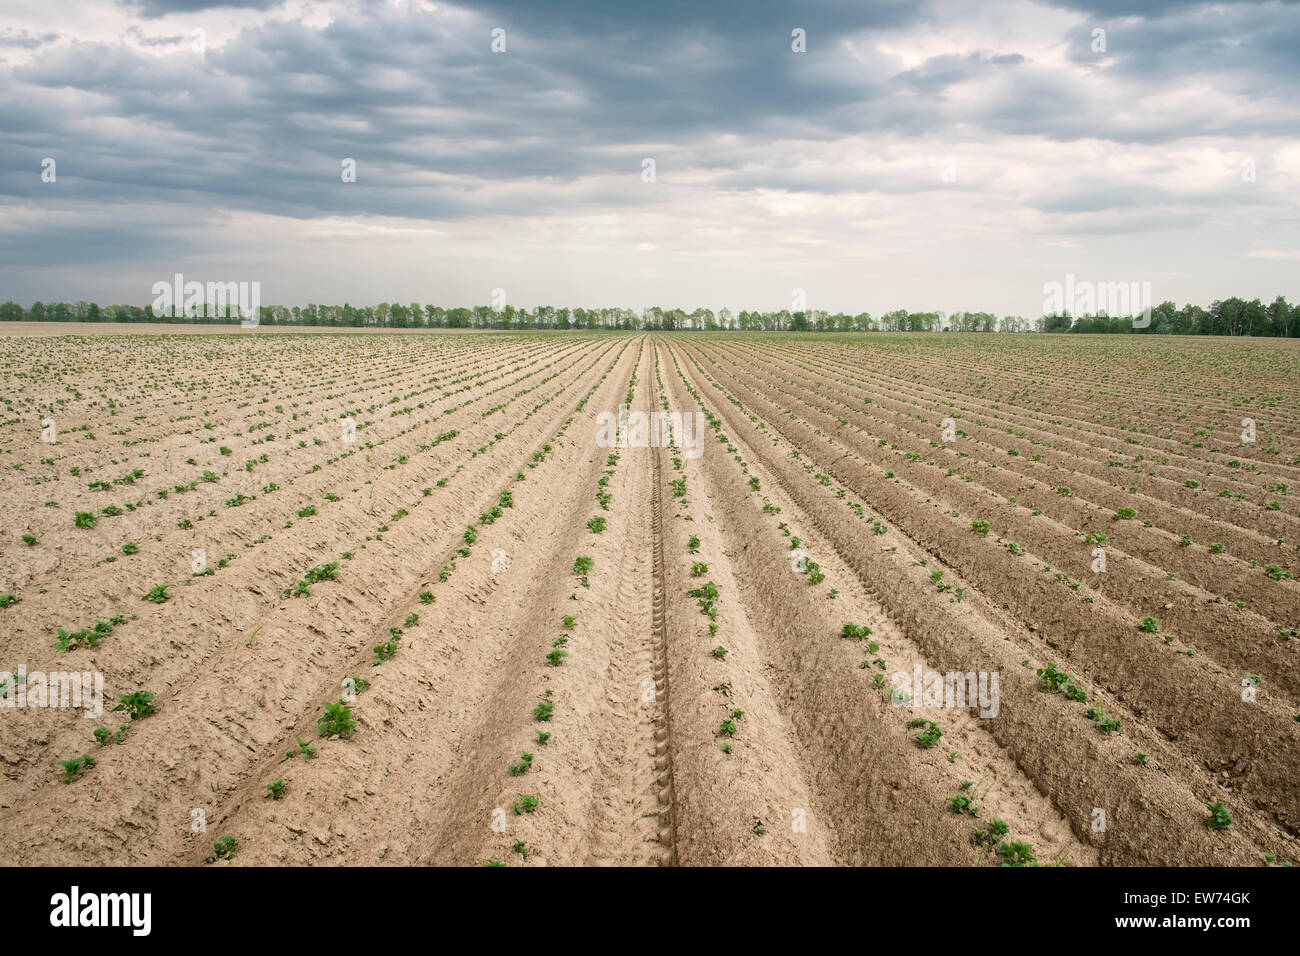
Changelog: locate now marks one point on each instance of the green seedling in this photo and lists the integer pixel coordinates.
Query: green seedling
(521, 765)
(303, 748)
(138, 705)
(527, 804)
(1098, 716)
(1220, 818)
(1052, 677)
(337, 721)
(74, 767)
(223, 849)
(963, 804)
(930, 736)
(1017, 854)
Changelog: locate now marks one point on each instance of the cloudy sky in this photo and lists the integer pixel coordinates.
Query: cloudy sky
(921, 154)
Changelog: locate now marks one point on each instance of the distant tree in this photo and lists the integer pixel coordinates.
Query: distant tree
(893, 321)
(1282, 317)
(1232, 316)
(1258, 319)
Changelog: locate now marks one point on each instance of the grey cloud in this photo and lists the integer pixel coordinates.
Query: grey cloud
(26, 39)
(139, 36)
(160, 8)
(1139, 8)
(443, 129)
(939, 73)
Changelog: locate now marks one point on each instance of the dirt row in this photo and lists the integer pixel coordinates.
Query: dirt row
(239, 598)
(1128, 788)
(1190, 605)
(485, 635)
(258, 676)
(1088, 453)
(819, 744)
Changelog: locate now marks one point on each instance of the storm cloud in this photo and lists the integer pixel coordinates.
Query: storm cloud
(908, 155)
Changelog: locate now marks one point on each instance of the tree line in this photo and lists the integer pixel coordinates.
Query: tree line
(1232, 316)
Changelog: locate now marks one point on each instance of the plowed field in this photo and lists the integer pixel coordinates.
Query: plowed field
(399, 601)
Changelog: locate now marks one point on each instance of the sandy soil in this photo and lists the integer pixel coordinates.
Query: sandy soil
(456, 516)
